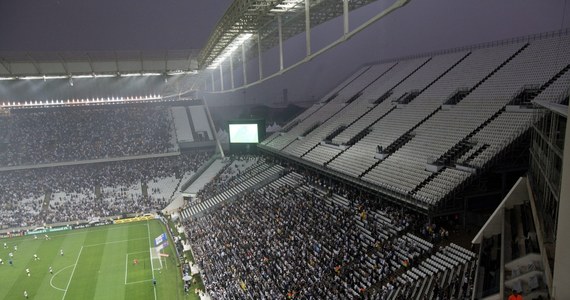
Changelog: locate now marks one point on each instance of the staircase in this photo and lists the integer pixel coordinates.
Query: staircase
(334, 157)
(525, 95)
(398, 143)
(408, 97)
(553, 79)
(45, 206)
(446, 71)
(499, 67)
(335, 132)
(311, 128)
(353, 98)
(383, 97)
(426, 181)
(310, 149)
(455, 152)
(359, 136)
(407, 136)
(368, 129)
(450, 157)
(475, 154)
(289, 126)
(457, 96)
(329, 99)
(370, 168)
(194, 134)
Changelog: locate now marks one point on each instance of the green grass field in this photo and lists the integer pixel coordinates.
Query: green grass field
(98, 263)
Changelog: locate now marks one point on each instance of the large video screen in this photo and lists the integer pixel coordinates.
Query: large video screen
(243, 133)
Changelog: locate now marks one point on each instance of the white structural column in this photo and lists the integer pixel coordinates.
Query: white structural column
(259, 56)
(221, 78)
(279, 24)
(345, 15)
(212, 79)
(232, 70)
(308, 26)
(243, 64)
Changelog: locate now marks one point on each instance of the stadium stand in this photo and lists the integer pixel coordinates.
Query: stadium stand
(71, 193)
(69, 134)
(422, 128)
(295, 237)
(182, 124)
(231, 182)
(200, 122)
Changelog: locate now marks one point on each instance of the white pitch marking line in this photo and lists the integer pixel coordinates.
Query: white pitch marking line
(72, 272)
(53, 276)
(114, 242)
(126, 266)
(150, 249)
(140, 281)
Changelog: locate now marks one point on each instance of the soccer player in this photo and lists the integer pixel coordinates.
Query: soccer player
(50, 270)
(11, 262)
(35, 237)
(61, 252)
(28, 272)
(26, 294)
(15, 247)
(1, 262)
(135, 261)
(5, 246)
(46, 236)
(36, 257)
(11, 254)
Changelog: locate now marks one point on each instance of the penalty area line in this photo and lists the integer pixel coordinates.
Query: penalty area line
(141, 281)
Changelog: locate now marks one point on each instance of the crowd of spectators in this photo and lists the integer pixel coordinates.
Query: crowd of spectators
(229, 175)
(291, 240)
(70, 134)
(90, 190)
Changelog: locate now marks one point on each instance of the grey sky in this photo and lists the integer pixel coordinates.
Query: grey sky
(76, 25)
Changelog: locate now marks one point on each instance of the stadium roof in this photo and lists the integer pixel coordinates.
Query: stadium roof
(56, 64)
(73, 57)
(109, 37)
(260, 17)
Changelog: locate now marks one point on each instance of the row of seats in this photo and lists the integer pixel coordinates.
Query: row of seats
(302, 241)
(264, 173)
(491, 77)
(442, 275)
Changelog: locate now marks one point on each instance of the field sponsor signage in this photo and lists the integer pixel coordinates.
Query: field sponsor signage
(134, 219)
(91, 224)
(6, 235)
(41, 230)
(161, 238)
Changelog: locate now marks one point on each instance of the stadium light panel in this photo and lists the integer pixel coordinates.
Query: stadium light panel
(231, 48)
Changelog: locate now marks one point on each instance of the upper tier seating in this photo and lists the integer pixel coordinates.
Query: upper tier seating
(37, 137)
(445, 110)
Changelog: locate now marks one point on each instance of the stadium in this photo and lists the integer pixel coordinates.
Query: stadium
(284, 149)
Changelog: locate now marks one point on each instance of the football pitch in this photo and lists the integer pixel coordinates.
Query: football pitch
(97, 263)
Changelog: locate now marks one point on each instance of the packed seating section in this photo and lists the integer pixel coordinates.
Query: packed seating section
(300, 237)
(34, 197)
(71, 134)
